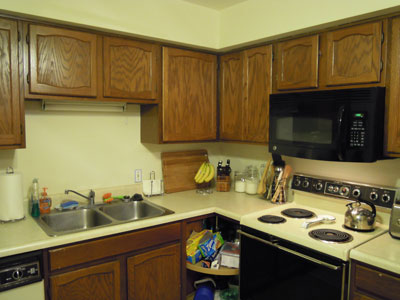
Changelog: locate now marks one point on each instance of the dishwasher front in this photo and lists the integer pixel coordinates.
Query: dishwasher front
(21, 277)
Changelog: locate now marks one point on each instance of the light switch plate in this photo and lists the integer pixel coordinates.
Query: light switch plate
(138, 175)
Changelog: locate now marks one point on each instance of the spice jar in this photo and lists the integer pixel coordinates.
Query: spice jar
(239, 180)
(251, 181)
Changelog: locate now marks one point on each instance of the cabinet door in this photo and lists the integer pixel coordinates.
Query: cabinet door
(354, 54)
(100, 282)
(62, 62)
(155, 275)
(130, 69)
(231, 97)
(10, 114)
(393, 92)
(258, 66)
(297, 66)
(189, 96)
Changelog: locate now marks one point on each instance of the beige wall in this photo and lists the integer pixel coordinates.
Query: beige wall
(170, 20)
(383, 172)
(262, 20)
(83, 150)
(185, 23)
(89, 150)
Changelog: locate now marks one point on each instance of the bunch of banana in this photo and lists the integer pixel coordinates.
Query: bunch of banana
(205, 173)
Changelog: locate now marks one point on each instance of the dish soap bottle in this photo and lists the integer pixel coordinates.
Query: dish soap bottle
(44, 202)
(35, 198)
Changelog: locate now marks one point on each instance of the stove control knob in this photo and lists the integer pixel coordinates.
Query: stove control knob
(297, 182)
(306, 184)
(373, 196)
(356, 193)
(344, 191)
(385, 198)
(330, 188)
(319, 186)
(336, 189)
(17, 274)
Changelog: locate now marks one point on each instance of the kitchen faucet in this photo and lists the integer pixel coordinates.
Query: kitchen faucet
(90, 197)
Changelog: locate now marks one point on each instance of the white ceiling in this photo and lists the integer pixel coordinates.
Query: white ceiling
(215, 4)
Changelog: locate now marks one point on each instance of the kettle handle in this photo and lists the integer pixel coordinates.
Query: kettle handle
(371, 205)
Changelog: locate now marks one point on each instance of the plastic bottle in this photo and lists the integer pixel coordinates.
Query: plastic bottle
(44, 202)
(35, 198)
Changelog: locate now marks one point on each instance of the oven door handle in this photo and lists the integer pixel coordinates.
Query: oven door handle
(320, 262)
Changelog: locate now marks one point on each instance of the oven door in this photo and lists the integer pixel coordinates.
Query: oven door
(272, 268)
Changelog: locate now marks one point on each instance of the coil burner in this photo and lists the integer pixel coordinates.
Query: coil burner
(298, 213)
(331, 236)
(271, 219)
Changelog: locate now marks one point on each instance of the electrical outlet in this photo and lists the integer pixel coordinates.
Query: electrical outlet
(138, 175)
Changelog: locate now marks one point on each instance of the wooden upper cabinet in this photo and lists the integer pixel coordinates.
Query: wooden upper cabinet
(393, 92)
(62, 62)
(189, 109)
(231, 104)
(297, 63)
(10, 111)
(155, 275)
(354, 54)
(100, 282)
(258, 66)
(130, 68)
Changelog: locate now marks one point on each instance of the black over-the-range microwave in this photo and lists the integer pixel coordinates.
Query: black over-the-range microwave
(334, 125)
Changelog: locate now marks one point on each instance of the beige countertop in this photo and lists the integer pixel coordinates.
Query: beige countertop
(26, 235)
(382, 252)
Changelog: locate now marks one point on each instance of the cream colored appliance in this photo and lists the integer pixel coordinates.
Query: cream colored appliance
(11, 196)
(21, 277)
(288, 253)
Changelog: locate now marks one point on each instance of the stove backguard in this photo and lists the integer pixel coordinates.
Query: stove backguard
(380, 196)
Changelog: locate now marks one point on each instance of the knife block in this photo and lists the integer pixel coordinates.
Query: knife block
(223, 184)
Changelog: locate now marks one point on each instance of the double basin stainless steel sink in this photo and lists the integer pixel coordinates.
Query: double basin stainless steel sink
(96, 216)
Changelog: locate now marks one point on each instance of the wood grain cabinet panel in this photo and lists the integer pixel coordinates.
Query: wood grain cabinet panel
(231, 103)
(100, 282)
(245, 89)
(354, 54)
(368, 282)
(393, 93)
(10, 114)
(189, 109)
(130, 68)
(297, 66)
(62, 62)
(155, 275)
(258, 74)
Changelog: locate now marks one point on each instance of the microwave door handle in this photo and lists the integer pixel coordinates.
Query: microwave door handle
(340, 132)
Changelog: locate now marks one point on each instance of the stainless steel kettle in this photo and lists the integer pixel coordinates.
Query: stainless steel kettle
(359, 218)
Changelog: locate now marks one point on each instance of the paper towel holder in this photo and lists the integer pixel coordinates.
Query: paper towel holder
(10, 171)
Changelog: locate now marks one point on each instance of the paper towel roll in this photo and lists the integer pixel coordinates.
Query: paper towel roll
(11, 197)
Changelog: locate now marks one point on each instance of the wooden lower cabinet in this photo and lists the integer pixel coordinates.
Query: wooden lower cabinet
(155, 274)
(100, 282)
(142, 265)
(368, 282)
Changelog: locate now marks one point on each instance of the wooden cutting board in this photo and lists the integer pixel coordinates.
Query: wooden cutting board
(179, 169)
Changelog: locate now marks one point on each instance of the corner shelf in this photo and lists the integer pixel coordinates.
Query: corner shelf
(222, 271)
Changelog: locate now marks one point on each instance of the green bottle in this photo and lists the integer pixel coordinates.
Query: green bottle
(35, 198)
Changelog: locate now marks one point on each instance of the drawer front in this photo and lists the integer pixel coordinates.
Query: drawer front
(377, 283)
(115, 245)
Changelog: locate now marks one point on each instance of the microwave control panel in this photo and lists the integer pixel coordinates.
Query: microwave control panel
(357, 130)
(380, 196)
